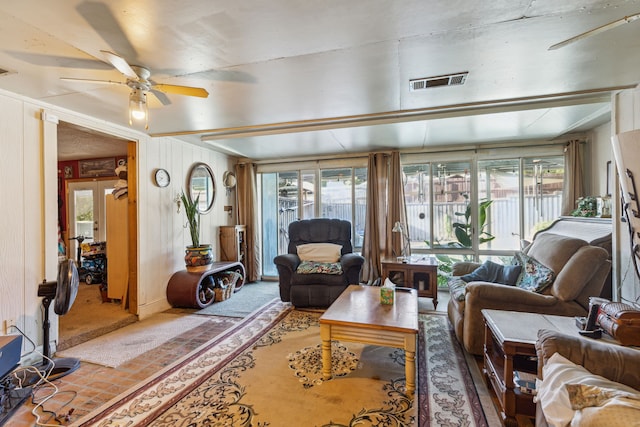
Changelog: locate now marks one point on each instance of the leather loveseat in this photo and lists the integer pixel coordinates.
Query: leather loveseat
(580, 272)
(317, 289)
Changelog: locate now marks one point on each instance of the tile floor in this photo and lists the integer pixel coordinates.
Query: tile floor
(93, 385)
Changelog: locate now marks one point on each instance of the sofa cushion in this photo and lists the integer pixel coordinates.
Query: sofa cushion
(490, 271)
(554, 250)
(312, 267)
(534, 276)
(569, 392)
(319, 252)
(577, 272)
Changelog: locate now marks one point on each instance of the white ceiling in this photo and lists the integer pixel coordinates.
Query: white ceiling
(322, 78)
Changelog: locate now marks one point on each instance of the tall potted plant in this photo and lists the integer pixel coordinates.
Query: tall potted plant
(198, 255)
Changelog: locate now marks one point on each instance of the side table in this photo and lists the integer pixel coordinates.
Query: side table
(509, 345)
(418, 273)
(197, 289)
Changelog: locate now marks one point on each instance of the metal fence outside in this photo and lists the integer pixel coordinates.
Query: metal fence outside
(506, 227)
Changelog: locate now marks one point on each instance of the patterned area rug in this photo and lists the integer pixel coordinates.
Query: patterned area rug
(266, 371)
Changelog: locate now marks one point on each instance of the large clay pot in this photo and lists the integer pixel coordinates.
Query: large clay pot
(198, 258)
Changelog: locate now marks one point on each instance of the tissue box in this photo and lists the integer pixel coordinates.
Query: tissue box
(386, 295)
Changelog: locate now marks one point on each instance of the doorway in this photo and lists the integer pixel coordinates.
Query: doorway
(86, 202)
(90, 167)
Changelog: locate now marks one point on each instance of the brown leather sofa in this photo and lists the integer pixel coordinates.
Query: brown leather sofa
(611, 361)
(580, 269)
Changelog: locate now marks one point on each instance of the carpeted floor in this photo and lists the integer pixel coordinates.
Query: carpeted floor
(275, 353)
(89, 318)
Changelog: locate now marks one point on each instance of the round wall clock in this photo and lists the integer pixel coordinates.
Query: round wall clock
(162, 177)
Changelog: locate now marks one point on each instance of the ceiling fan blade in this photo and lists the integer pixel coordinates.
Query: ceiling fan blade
(157, 99)
(595, 31)
(100, 17)
(181, 90)
(120, 64)
(110, 82)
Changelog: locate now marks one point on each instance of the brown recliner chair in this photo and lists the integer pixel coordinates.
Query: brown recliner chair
(317, 289)
(580, 270)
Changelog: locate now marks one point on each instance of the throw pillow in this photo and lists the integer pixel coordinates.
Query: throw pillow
(510, 274)
(457, 288)
(312, 267)
(534, 276)
(320, 252)
(490, 271)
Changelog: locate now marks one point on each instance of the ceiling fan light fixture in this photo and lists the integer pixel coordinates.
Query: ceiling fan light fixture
(138, 107)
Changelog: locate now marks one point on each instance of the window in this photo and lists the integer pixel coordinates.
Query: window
(480, 208)
(291, 195)
(344, 196)
(499, 204)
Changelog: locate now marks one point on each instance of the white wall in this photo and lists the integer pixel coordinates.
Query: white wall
(626, 117)
(601, 153)
(28, 198)
(162, 234)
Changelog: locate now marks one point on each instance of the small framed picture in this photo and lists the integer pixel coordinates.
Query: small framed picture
(68, 171)
(96, 167)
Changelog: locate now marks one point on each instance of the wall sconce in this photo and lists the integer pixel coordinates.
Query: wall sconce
(228, 209)
(404, 235)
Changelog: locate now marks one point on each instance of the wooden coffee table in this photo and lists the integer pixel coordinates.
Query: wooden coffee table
(358, 316)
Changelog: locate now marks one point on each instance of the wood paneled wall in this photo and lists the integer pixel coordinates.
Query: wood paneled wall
(28, 198)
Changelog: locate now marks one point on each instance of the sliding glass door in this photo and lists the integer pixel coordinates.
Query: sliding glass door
(287, 196)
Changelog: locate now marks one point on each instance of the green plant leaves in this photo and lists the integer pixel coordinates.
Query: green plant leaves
(193, 217)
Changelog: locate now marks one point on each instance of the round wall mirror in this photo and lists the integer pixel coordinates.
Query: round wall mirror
(201, 185)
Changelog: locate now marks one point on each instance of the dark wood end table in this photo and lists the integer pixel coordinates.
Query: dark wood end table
(509, 345)
(420, 273)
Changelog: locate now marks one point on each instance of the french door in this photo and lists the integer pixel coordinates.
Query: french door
(86, 201)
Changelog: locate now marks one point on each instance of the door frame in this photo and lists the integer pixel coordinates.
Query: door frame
(131, 302)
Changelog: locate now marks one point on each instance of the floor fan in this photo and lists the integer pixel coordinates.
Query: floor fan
(62, 293)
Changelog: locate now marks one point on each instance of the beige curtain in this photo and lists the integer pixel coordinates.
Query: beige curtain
(385, 206)
(374, 243)
(247, 205)
(397, 211)
(573, 176)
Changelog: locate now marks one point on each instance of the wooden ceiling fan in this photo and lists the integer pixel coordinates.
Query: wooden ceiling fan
(598, 30)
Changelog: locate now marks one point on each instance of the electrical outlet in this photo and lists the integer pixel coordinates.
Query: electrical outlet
(8, 326)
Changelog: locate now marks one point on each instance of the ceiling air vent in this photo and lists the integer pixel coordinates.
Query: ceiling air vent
(429, 82)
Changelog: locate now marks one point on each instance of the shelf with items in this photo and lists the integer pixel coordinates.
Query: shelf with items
(233, 245)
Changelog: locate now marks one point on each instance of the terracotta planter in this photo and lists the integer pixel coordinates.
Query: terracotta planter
(198, 258)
